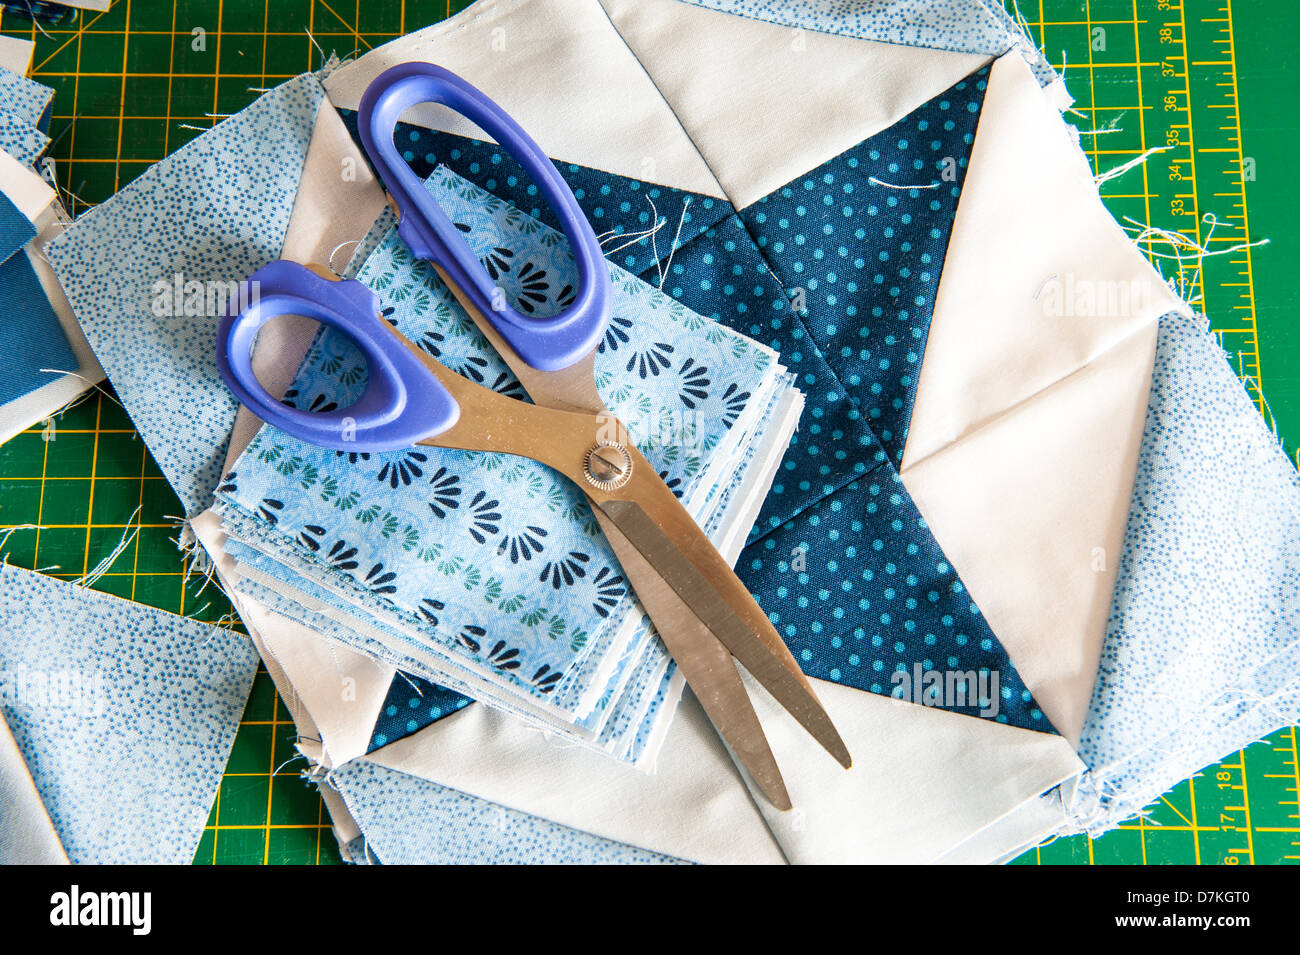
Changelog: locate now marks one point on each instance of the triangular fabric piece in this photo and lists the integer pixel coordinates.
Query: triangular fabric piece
(412, 704)
(815, 96)
(16, 230)
(862, 257)
(125, 715)
(841, 559)
(862, 594)
(1028, 413)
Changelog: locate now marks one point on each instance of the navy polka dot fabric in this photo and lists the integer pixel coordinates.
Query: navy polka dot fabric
(837, 271)
(411, 705)
(860, 258)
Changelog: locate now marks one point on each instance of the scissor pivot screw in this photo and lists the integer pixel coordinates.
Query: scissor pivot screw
(608, 466)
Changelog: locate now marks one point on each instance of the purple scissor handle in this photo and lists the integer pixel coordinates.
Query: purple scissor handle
(402, 403)
(546, 344)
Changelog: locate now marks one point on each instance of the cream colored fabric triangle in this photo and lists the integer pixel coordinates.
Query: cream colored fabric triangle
(766, 103)
(1032, 394)
(924, 780)
(562, 71)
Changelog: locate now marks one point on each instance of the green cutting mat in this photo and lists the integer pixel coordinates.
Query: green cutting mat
(137, 82)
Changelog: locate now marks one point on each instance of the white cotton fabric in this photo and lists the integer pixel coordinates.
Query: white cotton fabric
(27, 836)
(804, 97)
(16, 54)
(1029, 406)
(586, 99)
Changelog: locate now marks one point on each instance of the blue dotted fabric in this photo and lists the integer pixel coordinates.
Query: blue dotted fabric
(411, 705)
(723, 275)
(125, 716)
(411, 821)
(839, 558)
(26, 99)
(862, 259)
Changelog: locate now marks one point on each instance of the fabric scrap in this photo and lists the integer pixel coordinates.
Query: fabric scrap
(34, 349)
(26, 835)
(178, 239)
(22, 140)
(26, 99)
(125, 738)
(1202, 649)
(411, 821)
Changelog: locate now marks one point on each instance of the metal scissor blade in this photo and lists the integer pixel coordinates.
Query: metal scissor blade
(706, 664)
(713, 610)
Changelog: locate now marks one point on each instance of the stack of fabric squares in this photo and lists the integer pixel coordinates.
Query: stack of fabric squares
(484, 573)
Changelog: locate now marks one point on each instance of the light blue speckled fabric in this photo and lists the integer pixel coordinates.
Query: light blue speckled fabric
(124, 714)
(214, 211)
(1202, 653)
(412, 821)
(21, 139)
(28, 100)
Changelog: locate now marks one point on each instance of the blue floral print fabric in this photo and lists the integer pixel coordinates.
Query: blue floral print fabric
(493, 559)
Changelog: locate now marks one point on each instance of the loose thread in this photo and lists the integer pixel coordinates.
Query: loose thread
(672, 250)
(99, 570)
(891, 185)
(1133, 163)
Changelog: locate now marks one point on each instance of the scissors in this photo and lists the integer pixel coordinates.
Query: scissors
(706, 617)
